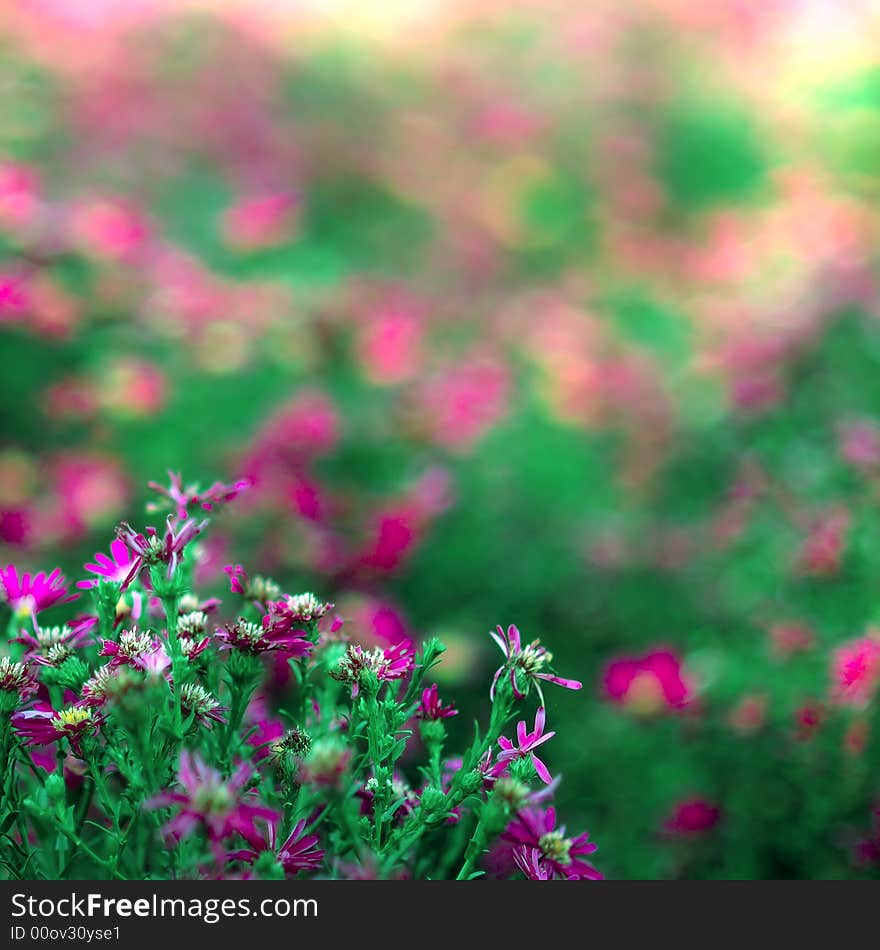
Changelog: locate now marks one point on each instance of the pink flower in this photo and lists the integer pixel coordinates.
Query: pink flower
(152, 549)
(260, 222)
(111, 229)
(859, 443)
(15, 678)
(823, 549)
(558, 857)
(524, 665)
(19, 195)
(528, 742)
(114, 569)
(183, 498)
(855, 671)
(430, 706)
(264, 638)
(50, 646)
(42, 725)
(298, 852)
(220, 808)
(461, 405)
(693, 816)
(648, 683)
(28, 595)
(390, 664)
(130, 650)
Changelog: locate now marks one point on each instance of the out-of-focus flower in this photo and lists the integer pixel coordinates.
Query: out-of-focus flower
(749, 714)
(89, 490)
(300, 851)
(462, 403)
(694, 816)
(649, 683)
(110, 228)
(27, 595)
(859, 443)
(260, 222)
(132, 388)
(527, 743)
(326, 764)
(824, 547)
(790, 637)
(855, 670)
(525, 666)
(220, 807)
(181, 498)
(19, 196)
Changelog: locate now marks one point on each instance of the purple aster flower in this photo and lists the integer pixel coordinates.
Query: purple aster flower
(42, 725)
(299, 851)
(182, 498)
(217, 806)
(114, 568)
(430, 706)
(28, 595)
(15, 678)
(263, 638)
(205, 708)
(151, 549)
(51, 646)
(392, 663)
(528, 742)
(560, 857)
(297, 610)
(130, 649)
(531, 862)
(525, 663)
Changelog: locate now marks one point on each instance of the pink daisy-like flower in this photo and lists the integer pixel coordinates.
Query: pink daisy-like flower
(131, 649)
(392, 663)
(152, 549)
(559, 857)
(52, 645)
(42, 725)
(263, 638)
(525, 665)
(217, 806)
(114, 568)
(28, 595)
(528, 742)
(15, 678)
(298, 852)
(430, 706)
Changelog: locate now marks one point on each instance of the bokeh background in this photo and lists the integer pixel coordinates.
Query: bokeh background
(552, 313)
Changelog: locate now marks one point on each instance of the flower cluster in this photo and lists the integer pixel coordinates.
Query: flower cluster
(172, 730)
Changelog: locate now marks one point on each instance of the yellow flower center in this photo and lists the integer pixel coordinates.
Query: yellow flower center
(555, 847)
